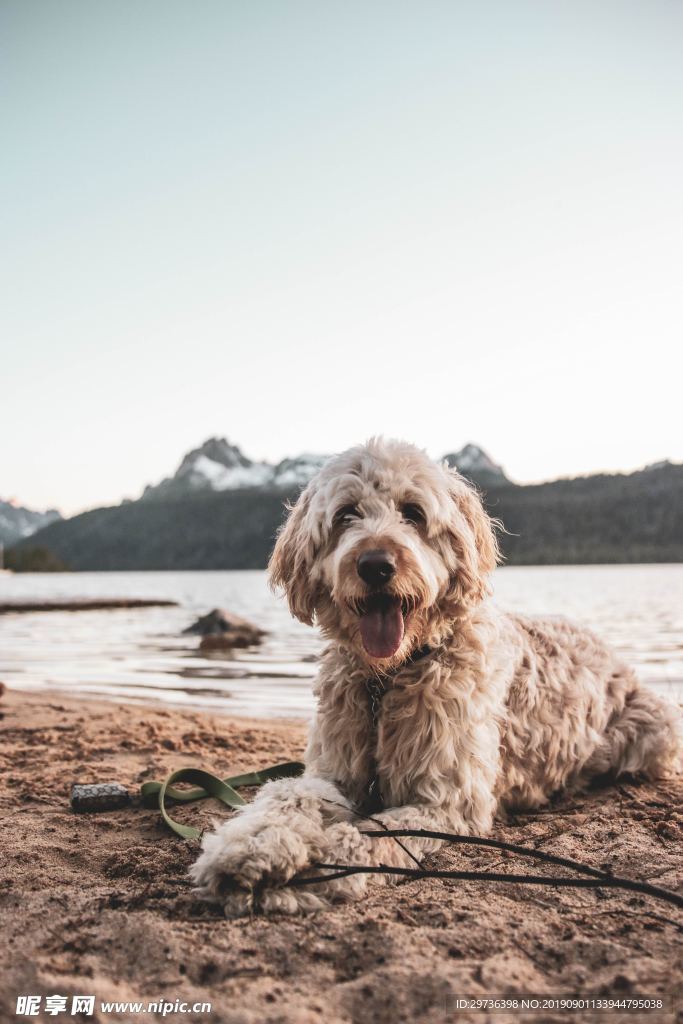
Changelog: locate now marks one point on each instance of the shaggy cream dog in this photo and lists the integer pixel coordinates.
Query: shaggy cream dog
(435, 708)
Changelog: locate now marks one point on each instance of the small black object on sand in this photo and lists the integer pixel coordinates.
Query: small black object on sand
(99, 796)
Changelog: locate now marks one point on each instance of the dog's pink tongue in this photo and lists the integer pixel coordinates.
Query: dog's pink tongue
(381, 629)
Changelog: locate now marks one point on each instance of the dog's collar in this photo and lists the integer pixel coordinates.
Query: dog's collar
(376, 685)
(418, 655)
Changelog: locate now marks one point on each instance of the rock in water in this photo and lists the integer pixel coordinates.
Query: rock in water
(226, 642)
(221, 629)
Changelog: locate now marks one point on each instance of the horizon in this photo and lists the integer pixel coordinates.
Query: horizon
(70, 513)
(430, 221)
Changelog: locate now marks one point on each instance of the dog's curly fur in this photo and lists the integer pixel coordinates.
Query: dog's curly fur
(503, 712)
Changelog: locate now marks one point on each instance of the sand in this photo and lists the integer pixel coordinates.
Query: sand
(101, 904)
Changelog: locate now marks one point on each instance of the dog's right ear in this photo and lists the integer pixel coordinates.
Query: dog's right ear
(472, 541)
(291, 563)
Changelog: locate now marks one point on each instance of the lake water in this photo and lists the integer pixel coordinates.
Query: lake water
(141, 655)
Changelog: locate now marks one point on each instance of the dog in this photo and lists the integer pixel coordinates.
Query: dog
(435, 709)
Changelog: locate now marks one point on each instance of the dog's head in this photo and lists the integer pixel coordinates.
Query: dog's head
(388, 549)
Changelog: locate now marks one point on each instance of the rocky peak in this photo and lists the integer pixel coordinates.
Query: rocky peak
(218, 465)
(477, 465)
(218, 450)
(298, 471)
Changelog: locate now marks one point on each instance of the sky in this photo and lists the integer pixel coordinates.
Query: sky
(299, 224)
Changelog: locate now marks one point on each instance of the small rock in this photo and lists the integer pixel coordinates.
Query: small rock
(222, 625)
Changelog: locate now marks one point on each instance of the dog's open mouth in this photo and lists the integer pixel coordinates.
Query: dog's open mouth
(382, 624)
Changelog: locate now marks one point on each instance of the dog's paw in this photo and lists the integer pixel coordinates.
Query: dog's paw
(292, 901)
(345, 846)
(240, 856)
(238, 903)
(302, 899)
(245, 902)
(247, 871)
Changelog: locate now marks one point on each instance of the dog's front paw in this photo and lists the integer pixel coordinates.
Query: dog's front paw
(238, 856)
(283, 900)
(344, 845)
(247, 870)
(290, 900)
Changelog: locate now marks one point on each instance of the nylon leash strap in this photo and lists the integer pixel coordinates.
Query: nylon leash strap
(155, 794)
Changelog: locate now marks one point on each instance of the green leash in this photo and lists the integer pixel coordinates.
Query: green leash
(155, 794)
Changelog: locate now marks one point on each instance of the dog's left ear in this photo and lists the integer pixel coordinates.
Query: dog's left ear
(473, 543)
(291, 562)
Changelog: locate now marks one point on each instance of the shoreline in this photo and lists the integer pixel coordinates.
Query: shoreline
(101, 904)
(153, 704)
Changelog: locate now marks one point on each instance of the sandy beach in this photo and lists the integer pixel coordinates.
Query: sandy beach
(101, 904)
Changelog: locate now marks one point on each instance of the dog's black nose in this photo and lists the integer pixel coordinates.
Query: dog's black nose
(376, 567)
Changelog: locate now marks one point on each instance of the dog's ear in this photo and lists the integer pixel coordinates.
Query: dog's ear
(291, 562)
(473, 544)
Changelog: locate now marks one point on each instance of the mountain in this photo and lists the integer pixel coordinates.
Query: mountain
(474, 463)
(220, 466)
(635, 517)
(17, 522)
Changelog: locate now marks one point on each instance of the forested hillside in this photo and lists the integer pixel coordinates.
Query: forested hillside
(607, 518)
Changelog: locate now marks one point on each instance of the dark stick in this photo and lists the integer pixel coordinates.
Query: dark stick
(607, 881)
(496, 844)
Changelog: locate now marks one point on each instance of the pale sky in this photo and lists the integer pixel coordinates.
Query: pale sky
(300, 223)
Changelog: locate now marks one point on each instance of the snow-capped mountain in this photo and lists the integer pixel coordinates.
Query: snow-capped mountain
(297, 472)
(220, 466)
(474, 463)
(17, 522)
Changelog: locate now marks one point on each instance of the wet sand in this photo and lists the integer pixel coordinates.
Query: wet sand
(101, 904)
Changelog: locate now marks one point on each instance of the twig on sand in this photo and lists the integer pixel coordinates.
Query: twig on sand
(598, 879)
(563, 881)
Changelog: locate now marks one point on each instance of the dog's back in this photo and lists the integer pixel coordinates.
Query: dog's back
(575, 710)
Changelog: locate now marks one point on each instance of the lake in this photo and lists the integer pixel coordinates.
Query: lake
(141, 655)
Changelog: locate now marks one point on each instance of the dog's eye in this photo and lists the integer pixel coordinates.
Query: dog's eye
(413, 514)
(346, 515)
